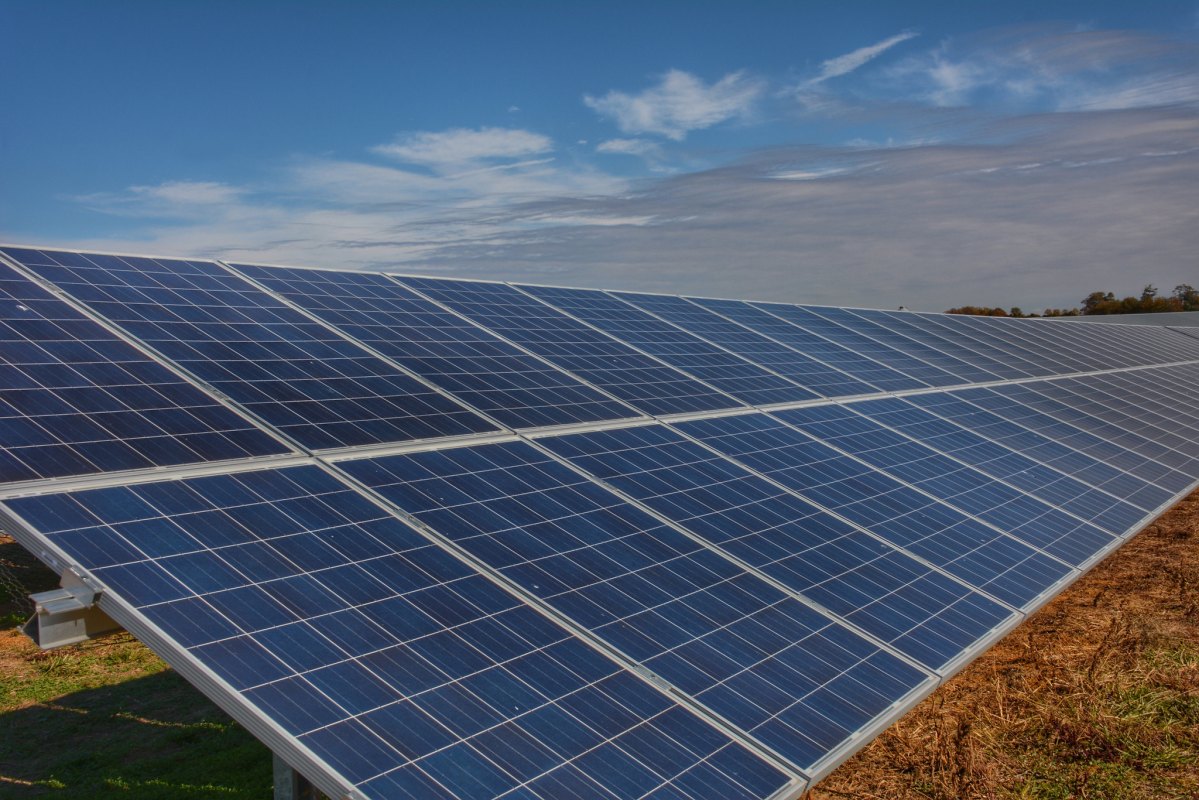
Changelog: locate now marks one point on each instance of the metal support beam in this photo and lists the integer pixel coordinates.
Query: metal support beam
(291, 785)
(67, 615)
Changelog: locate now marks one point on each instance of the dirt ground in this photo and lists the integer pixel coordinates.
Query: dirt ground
(1095, 696)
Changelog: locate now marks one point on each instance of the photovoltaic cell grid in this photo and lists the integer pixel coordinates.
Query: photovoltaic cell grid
(917, 610)
(641, 381)
(773, 667)
(493, 376)
(76, 400)
(784, 572)
(408, 672)
(714, 365)
(315, 386)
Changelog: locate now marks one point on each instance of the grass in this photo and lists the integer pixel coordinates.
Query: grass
(108, 719)
(1096, 696)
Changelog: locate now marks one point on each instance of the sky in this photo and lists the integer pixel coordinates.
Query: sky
(924, 154)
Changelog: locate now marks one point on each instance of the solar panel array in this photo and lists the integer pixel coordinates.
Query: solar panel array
(446, 538)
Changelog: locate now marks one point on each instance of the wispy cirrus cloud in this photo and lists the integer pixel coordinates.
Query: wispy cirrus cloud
(845, 64)
(464, 145)
(1051, 68)
(680, 103)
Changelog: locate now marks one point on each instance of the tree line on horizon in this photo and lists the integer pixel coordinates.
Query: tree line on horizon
(1184, 298)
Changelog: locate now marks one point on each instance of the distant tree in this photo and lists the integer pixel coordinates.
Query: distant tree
(1186, 296)
(1015, 312)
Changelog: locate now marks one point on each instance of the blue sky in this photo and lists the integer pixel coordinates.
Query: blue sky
(926, 154)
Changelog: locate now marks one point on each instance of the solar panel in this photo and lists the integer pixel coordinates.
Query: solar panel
(77, 400)
(1063, 531)
(983, 557)
(814, 375)
(860, 367)
(393, 666)
(777, 670)
(727, 602)
(311, 384)
(714, 365)
(640, 380)
(916, 609)
(484, 371)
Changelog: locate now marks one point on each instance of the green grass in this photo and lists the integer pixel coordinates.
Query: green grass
(108, 719)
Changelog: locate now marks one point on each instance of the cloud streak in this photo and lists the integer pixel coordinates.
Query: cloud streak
(845, 64)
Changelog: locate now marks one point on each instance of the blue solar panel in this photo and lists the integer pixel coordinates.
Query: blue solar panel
(643, 382)
(791, 677)
(1119, 446)
(715, 366)
(985, 558)
(77, 400)
(751, 345)
(1038, 465)
(919, 611)
(856, 365)
(1003, 358)
(923, 329)
(1070, 538)
(916, 348)
(486, 372)
(814, 322)
(1026, 430)
(315, 386)
(399, 666)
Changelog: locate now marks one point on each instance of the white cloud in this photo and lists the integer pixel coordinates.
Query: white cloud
(679, 104)
(843, 65)
(464, 145)
(629, 147)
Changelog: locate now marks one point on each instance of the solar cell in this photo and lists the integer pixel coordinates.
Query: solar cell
(488, 373)
(1038, 465)
(820, 378)
(1005, 568)
(640, 380)
(1068, 536)
(714, 365)
(794, 679)
(919, 329)
(914, 608)
(860, 367)
(920, 355)
(919, 372)
(406, 672)
(77, 400)
(314, 385)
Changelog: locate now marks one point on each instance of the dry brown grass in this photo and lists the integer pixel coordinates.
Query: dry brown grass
(1095, 696)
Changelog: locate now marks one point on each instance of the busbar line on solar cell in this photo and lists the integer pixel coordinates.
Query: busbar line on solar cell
(711, 363)
(830, 564)
(313, 385)
(79, 400)
(371, 654)
(861, 368)
(964, 372)
(1057, 473)
(812, 374)
(790, 678)
(496, 378)
(1057, 529)
(641, 381)
(923, 373)
(987, 559)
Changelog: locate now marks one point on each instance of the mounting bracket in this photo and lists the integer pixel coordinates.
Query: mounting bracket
(291, 785)
(67, 615)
